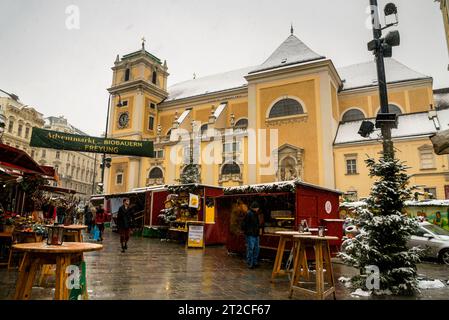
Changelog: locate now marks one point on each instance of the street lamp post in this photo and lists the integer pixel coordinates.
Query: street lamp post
(382, 47)
(105, 161)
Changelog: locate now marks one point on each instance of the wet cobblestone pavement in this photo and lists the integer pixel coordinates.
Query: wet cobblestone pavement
(155, 269)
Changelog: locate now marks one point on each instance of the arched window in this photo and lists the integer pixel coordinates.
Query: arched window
(392, 108)
(353, 115)
(286, 107)
(230, 168)
(156, 173)
(154, 77)
(242, 123)
(127, 73)
(203, 128)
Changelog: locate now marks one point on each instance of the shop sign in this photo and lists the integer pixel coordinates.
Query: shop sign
(194, 200)
(328, 207)
(66, 141)
(195, 236)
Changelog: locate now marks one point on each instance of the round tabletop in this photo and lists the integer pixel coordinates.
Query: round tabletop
(75, 227)
(310, 237)
(66, 247)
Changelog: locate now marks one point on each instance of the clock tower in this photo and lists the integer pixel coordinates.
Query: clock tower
(139, 84)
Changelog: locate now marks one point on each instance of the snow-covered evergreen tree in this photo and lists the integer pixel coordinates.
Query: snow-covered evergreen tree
(384, 232)
(167, 215)
(191, 174)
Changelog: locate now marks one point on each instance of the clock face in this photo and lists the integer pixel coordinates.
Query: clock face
(123, 120)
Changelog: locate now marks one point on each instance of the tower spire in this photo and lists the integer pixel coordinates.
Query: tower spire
(291, 28)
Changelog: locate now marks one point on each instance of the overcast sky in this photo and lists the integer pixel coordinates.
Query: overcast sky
(65, 71)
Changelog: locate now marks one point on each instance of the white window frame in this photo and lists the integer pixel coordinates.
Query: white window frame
(427, 151)
(351, 157)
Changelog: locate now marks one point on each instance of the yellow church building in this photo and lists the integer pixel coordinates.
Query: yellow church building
(294, 116)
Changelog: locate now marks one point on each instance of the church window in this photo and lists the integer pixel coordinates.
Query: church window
(353, 115)
(151, 123)
(230, 168)
(154, 77)
(156, 173)
(127, 73)
(286, 107)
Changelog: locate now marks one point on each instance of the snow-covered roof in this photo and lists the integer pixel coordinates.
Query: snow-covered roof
(219, 110)
(409, 203)
(409, 125)
(291, 51)
(183, 116)
(209, 84)
(279, 186)
(365, 74)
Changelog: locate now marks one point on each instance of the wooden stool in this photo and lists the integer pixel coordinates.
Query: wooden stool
(284, 236)
(322, 260)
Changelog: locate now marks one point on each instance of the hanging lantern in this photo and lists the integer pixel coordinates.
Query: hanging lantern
(55, 235)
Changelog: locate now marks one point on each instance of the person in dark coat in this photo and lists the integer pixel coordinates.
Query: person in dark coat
(124, 223)
(250, 227)
(88, 217)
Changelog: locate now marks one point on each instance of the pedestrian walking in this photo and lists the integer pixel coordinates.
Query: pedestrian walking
(99, 221)
(250, 227)
(88, 218)
(124, 223)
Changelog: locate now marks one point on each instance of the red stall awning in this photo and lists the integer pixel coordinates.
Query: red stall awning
(13, 160)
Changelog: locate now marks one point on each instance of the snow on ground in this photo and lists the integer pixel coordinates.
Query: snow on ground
(344, 279)
(430, 284)
(361, 293)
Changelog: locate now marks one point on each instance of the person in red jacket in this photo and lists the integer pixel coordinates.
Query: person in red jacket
(99, 221)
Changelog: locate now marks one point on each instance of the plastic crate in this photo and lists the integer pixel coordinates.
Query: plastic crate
(150, 232)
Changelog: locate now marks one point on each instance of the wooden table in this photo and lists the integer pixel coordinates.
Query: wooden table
(284, 236)
(322, 261)
(74, 231)
(38, 254)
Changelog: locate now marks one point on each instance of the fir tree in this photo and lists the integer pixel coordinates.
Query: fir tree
(191, 174)
(384, 232)
(167, 215)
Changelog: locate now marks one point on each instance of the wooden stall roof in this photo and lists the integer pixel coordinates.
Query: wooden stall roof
(281, 187)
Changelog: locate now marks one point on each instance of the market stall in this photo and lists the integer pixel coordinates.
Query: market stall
(283, 206)
(145, 204)
(192, 204)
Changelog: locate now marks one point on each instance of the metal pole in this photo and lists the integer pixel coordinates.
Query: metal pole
(388, 150)
(93, 176)
(105, 135)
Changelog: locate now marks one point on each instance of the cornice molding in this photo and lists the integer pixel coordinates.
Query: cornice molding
(138, 84)
(392, 85)
(229, 94)
(300, 69)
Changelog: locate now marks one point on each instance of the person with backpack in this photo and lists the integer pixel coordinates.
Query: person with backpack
(251, 227)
